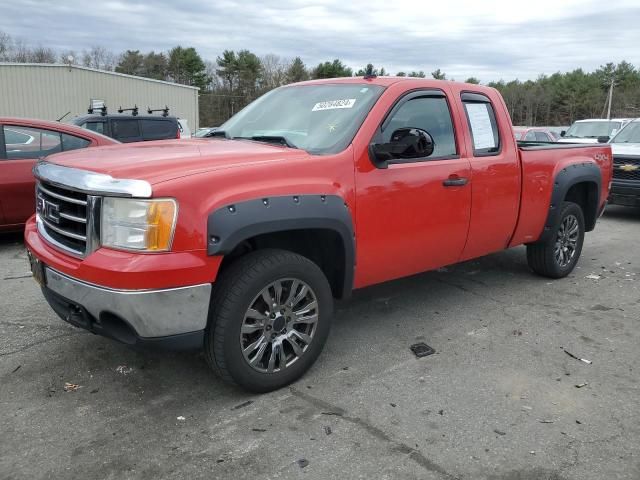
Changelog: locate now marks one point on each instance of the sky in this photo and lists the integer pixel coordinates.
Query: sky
(489, 40)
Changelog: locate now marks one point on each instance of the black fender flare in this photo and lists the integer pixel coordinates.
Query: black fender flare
(229, 226)
(565, 179)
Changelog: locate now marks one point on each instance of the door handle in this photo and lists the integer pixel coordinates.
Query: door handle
(455, 181)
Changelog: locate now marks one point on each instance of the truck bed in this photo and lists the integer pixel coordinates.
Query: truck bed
(540, 163)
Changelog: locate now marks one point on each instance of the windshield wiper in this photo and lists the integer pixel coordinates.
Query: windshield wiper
(218, 133)
(277, 139)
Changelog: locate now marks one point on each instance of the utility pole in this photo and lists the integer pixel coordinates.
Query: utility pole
(610, 98)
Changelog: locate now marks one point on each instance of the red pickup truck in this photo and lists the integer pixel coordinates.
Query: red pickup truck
(239, 244)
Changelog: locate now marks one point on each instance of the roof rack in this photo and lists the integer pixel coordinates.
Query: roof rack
(97, 106)
(165, 111)
(134, 110)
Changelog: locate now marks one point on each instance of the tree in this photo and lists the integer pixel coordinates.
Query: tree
(98, 57)
(228, 68)
(154, 65)
(6, 45)
(131, 62)
(42, 55)
(186, 66)
(331, 70)
(415, 74)
(473, 80)
(401, 74)
(297, 72)
(250, 74)
(69, 57)
(438, 75)
(274, 71)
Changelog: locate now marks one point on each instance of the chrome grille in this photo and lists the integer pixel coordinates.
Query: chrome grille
(64, 217)
(626, 168)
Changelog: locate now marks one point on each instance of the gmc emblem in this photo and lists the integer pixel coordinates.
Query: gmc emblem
(52, 212)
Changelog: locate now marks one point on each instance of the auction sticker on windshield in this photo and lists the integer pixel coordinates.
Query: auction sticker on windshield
(334, 104)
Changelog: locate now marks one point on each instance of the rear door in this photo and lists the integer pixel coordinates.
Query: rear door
(496, 174)
(411, 217)
(21, 148)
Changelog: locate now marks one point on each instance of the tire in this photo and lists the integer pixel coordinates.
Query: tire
(239, 318)
(545, 259)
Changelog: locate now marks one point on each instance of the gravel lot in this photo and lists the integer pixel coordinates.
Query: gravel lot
(498, 400)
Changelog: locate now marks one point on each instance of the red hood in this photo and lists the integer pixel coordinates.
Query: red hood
(164, 160)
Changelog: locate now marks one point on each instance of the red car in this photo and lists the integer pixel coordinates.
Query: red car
(22, 142)
(238, 244)
(534, 134)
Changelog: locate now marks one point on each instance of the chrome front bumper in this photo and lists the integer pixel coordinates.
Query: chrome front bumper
(150, 313)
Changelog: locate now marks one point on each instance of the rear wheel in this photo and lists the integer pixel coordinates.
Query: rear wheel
(270, 317)
(557, 256)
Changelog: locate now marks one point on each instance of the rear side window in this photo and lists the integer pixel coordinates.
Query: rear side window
(481, 119)
(71, 142)
(430, 114)
(531, 137)
(542, 137)
(125, 129)
(158, 129)
(94, 126)
(26, 142)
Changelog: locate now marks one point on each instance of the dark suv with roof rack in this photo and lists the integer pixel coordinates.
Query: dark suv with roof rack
(131, 127)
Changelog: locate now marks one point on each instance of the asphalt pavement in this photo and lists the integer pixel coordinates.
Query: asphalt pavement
(499, 400)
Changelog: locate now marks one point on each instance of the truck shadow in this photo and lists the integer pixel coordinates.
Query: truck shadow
(619, 212)
(10, 239)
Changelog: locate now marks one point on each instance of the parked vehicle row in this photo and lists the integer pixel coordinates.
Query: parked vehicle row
(310, 192)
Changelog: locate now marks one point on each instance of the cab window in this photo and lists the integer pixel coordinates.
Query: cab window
(429, 113)
(481, 119)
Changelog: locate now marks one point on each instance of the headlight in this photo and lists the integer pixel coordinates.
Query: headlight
(144, 225)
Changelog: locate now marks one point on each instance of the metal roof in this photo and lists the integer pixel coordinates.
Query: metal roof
(106, 72)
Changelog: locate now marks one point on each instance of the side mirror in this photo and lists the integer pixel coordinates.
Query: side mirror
(563, 133)
(603, 139)
(405, 143)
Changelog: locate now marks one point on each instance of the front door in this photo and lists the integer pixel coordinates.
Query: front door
(414, 215)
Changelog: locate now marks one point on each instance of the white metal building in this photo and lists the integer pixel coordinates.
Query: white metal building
(49, 91)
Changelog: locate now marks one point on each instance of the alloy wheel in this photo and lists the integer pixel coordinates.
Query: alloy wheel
(567, 240)
(279, 325)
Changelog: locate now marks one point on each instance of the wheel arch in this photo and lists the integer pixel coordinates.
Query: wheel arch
(579, 183)
(318, 227)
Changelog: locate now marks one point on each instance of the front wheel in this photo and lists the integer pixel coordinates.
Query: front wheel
(270, 317)
(557, 256)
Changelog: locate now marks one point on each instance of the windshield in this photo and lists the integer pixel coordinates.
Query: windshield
(320, 119)
(629, 134)
(593, 129)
